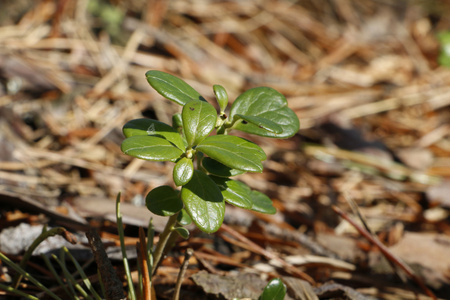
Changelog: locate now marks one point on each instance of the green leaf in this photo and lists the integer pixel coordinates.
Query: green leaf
(234, 192)
(444, 54)
(262, 203)
(265, 103)
(204, 202)
(163, 201)
(150, 148)
(261, 123)
(274, 290)
(216, 168)
(153, 128)
(184, 218)
(177, 123)
(234, 152)
(221, 96)
(199, 119)
(172, 88)
(183, 232)
(183, 171)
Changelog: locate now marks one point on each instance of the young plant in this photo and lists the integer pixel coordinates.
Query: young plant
(204, 163)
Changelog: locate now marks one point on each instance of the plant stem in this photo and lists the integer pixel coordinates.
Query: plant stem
(42, 237)
(187, 256)
(17, 292)
(131, 292)
(163, 238)
(22, 272)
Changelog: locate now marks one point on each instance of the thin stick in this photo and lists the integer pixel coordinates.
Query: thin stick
(267, 254)
(187, 256)
(385, 251)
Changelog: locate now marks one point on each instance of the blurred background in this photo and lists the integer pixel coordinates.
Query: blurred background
(369, 81)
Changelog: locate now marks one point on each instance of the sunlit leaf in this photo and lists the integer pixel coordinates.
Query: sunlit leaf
(172, 88)
(221, 96)
(153, 128)
(262, 123)
(199, 119)
(183, 171)
(234, 192)
(150, 148)
(262, 203)
(265, 103)
(234, 152)
(274, 290)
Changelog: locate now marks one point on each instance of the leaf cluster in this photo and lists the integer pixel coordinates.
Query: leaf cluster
(205, 188)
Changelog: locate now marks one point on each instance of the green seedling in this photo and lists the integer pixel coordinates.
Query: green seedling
(274, 290)
(204, 162)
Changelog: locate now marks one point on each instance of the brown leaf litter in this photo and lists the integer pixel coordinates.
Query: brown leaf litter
(362, 77)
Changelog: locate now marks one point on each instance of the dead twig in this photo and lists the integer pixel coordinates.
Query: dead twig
(267, 254)
(385, 251)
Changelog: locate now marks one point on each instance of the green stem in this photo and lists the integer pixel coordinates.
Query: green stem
(83, 275)
(17, 292)
(55, 274)
(132, 294)
(61, 262)
(22, 272)
(26, 257)
(162, 243)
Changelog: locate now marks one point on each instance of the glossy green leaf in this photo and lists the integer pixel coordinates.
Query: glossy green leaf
(262, 203)
(216, 168)
(177, 123)
(184, 218)
(199, 119)
(274, 290)
(204, 202)
(221, 96)
(183, 171)
(163, 201)
(183, 232)
(234, 152)
(444, 54)
(172, 88)
(265, 103)
(262, 123)
(153, 128)
(234, 192)
(150, 148)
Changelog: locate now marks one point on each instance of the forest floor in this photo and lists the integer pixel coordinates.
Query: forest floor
(364, 77)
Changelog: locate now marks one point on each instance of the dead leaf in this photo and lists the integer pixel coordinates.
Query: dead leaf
(428, 254)
(243, 285)
(440, 194)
